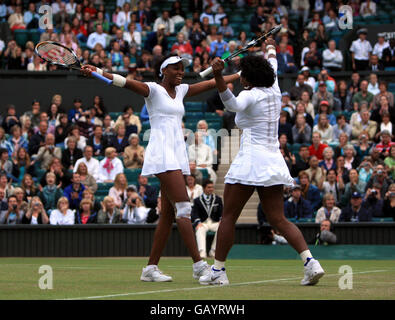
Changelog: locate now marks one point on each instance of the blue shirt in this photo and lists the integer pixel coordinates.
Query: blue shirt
(218, 48)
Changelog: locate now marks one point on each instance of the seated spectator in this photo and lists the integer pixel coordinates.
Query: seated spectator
(205, 216)
(62, 215)
(385, 144)
(286, 63)
(325, 236)
(146, 192)
(132, 120)
(28, 187)
(48, 152)
(309, 108)
(156, 38)
(343, 95)
(91, 163)
(296, 206)
(285, 127)
(373, 201)
(202, 154)
(317, 174)
(341, 127)
(62, 130)
(301, 109)
(328, 162)
(297, 90)
(21, 165)
(322, 95)
(88, 194)
(194, 190)
(324, 128)
(134, 153)
(363, 147)
(343, 141)
(5, 163)
(375, 64)
(86, 179)
(328, 210)
(98, 142)
(63, 176)
(332, 59)
(317, 148)
(390, 163)
(182, 47)
(73, 192)
(16, 140)
(207, 138)
(165, 21)
(351, 160)
(135, 212)
(38, 139)
(301, 131)
(50, 193)
(383, 86)
(109, 213)
(363, 95)
(35, 213)
(71, 154)
(355, 185)
(309, 191)
(389, 202)
(118, 191)
(389, 54)
(196, 172)
(97, 37)
(365, 170)
(287, 105)
(373, 86)
(84, 214)
(312, 57)
(218, 47)
(384, 121)
(110, 166)
(132, 36)
(80, 139)
(3, 206)
(14, 214)
(120, 140)
(364, 125)
(325, 108)
(90, 118)
(355, 212)
(302, 163)
(379, 180)
(368, 8)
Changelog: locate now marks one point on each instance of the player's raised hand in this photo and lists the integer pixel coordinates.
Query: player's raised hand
(88, 69)
(218, 65)
(270, 41)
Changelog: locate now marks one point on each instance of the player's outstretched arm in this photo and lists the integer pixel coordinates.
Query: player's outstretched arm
(118, 80)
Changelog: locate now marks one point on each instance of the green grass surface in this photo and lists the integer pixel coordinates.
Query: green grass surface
(118, 278)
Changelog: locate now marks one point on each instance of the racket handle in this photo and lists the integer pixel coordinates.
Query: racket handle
(100, 77)
(206, 72)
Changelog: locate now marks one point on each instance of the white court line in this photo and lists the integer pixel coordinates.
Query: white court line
(204, 287)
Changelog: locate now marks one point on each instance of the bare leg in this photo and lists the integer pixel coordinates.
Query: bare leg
(174, 184)
(273, 206)
(235, 198)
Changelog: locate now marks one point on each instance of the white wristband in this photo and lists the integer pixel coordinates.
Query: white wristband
(271, 52)
(118, 80)
(270, 46)
(99, 71)
(239, 73)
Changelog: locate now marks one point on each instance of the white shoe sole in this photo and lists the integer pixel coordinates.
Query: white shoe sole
(314, 280)
(221, 283)
(146, 279)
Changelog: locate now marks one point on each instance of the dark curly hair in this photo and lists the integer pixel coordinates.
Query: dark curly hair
(257, 71)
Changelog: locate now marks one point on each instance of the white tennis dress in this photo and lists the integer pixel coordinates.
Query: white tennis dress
(166, 148)
(259, 161)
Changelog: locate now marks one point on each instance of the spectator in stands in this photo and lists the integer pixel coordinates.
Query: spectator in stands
(124, 16)
(296, 206)
(389, 55)
(196, 172)
(15, 20)
(341, 127)
(144, 64)
(157, 38)
(5, 185)
(286, 63)
(301, 131)
(166, 22)
(134, 153)
(91, 163)
(48, 151)
(73, 192)
(363, 95)
(351, 160)
(132, 36)
(98, 142)
(385, 144)
(5, 163)
(194, 190)
(365, 124)
(135, 212)
(285, 127)
(312, 57)
(317, 147)
(90, 118)
(368, 8)
(389, 202)
(363, 146)
(322, 95)
(360, 51)
(86, 179)
(4, 143)
(118, 191)
(390, 163)
(34, 114)
(328, 210)
(120, 140)
(355, 185)
(84, 214)
(379, 181)
(328, 163)
(110, 166)
(287, 105)
(355, 212)
(302, 163)
(383, 87)
(80, 139)
(71, 154)
(334, 185)
(28, 187)
(35, 213)
(324, 128)
(309, 191)
(316, 173)
(205, 216)
(146, 192)
(109, 213)
(218, 47)
(343, 95)
(373, 200)
(51, 193)
(375, 64)
(177, 14)
(373, 86)
(3, 205)
(13, 215)
(300, 87)
(308, 106)
(182, 47)
(325, 236)
(225, 28)
(21, 165)
(10, 119)
(97, 37)
(300, 8)
(332, 58)
(62, 215)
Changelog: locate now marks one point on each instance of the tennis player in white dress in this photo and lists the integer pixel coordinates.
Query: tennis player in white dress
(166, 155)
(259, 163)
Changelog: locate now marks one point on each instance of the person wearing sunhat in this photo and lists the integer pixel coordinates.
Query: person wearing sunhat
(360, 51)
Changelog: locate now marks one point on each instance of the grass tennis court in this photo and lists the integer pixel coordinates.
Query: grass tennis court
(118, 278)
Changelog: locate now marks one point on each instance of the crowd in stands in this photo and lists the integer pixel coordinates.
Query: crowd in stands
(336, 136)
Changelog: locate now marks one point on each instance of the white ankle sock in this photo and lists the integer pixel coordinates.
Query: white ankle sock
(219, 264)
(304, 255)
(198, 264)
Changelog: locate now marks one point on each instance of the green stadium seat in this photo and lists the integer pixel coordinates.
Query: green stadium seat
(21, 37)
(386, 219)
(114, 115)
(304, 220)
(204, 173)
(34, 35)
(132, 175)
(194, 106)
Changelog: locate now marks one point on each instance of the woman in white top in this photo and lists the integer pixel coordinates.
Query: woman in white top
(62, 215)
(194, 190)
(118, 191)
(166, 155)
(259, 163)
(110, 166)
(328, 210)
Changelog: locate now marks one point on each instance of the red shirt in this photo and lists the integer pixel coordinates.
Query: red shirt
(317, 152)
(381, 146)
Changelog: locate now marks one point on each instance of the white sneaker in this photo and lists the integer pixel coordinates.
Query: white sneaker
(200, 271)
(312, 273)
(215, 277)
(153, 274)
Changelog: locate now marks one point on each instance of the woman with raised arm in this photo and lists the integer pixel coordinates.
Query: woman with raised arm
(166, 155)
(259, 163)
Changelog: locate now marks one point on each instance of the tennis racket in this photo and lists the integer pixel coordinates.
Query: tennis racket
(57, 54)
(250, 44)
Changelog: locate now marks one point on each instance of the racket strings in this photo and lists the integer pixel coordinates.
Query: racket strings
(56, 54)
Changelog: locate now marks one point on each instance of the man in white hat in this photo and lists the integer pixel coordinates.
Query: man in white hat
(360, 51)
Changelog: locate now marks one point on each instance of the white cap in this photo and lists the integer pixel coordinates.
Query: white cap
(173, 60)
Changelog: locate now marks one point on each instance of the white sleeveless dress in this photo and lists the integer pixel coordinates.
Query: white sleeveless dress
(259, 161)
(166, 148)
